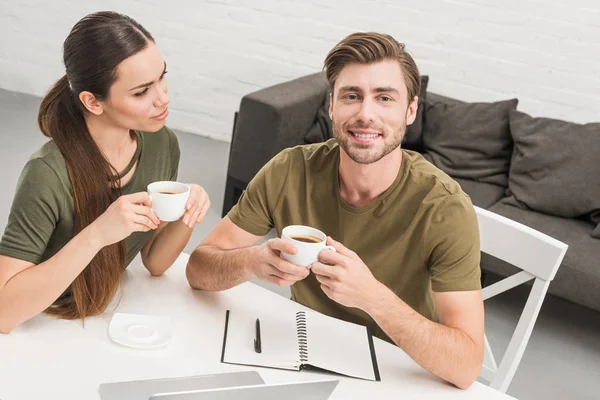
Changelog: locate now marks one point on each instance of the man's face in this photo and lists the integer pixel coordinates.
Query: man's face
(369, 110)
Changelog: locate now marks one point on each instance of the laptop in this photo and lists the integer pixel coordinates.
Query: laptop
(318, 390)
(142, 390)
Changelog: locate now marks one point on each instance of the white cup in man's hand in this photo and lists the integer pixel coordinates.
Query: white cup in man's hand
(168, 199)
(309, 242)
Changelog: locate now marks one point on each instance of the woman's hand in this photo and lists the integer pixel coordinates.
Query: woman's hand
(128, 214)
(196, 207)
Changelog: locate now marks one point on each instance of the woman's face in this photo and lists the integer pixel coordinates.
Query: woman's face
(138, 97)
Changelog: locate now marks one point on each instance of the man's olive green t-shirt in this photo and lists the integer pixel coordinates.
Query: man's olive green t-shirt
(421, 235)
(41, 219)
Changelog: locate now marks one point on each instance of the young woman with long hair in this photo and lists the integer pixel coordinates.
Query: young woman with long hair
(81, 212)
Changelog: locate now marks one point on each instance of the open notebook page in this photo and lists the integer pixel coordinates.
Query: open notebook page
(339, 346)
(278, 337)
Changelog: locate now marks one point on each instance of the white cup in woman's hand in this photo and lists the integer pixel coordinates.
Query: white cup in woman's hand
(168, 199)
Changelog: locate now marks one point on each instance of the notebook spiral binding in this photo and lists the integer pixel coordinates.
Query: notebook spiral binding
(302, 336)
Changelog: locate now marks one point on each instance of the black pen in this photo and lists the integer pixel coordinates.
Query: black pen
(257, 344)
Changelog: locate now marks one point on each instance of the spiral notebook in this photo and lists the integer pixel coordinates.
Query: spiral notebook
(299, 340)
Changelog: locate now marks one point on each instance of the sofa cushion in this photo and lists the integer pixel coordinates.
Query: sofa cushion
(578, 278)
(595, 218)
(320, 131)
(413, 139)
(555, 167)
(433, 98)
(470, 140)
(482, 194)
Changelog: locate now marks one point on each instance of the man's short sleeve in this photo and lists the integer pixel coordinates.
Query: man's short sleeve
(453, 237)
(254, 210)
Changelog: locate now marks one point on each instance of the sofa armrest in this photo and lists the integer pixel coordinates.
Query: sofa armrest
(271, 120)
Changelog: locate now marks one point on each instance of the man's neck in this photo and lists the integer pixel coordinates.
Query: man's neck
(362, 184)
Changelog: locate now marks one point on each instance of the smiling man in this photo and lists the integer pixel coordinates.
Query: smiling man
(406, 235)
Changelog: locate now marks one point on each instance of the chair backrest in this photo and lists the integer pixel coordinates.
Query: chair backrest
(538, 256)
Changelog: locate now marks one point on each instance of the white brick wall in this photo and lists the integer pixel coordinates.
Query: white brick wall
(545, 52)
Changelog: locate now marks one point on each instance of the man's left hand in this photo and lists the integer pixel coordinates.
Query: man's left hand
(347, 280)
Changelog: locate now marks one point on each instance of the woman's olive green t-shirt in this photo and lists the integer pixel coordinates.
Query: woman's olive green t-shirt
(41, 218)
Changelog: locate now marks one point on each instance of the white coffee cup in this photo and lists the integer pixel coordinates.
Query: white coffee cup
(308, 249)
(168, 199)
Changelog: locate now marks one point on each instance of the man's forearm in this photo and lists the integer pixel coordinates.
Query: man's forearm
(444, 351)
(211, 268)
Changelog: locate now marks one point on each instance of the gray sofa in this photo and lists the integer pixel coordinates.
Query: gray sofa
(537, 171)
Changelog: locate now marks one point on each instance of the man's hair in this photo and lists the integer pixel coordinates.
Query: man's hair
(372, 47)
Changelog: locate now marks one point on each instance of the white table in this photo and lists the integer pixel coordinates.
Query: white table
(46, 358)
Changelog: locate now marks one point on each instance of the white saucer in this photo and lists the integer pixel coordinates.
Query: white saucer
(140, 331)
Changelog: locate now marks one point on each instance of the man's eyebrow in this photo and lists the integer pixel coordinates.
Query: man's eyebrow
(386, 89)
(382, 89)
(350, 89)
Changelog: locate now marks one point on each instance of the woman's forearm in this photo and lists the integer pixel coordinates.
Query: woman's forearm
(166, 247)
(31, 291)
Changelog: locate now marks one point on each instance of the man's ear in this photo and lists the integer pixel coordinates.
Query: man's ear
(411, 112)
(331, 105)
(91, 103)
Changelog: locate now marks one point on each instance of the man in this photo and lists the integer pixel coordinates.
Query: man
(407, 240)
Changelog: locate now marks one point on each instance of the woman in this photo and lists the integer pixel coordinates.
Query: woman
(81, 213)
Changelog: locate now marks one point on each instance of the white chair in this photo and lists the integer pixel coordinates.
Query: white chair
(538, 256)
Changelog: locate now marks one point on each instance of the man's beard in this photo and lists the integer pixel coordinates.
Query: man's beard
(364, 154)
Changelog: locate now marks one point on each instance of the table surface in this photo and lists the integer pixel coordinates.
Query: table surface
(50, 358)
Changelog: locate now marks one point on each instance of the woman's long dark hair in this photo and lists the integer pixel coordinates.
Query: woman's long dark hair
(97, 44)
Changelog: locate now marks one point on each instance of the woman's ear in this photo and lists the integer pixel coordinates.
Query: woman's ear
(91, 103)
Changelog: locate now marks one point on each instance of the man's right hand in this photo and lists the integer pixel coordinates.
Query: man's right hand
(271, 267)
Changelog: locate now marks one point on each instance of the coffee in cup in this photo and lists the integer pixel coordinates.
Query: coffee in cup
(168, 199)
(168, 192)
(307, 239)
(309, 242)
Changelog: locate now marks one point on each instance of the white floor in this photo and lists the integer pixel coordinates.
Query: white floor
(562, 360)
